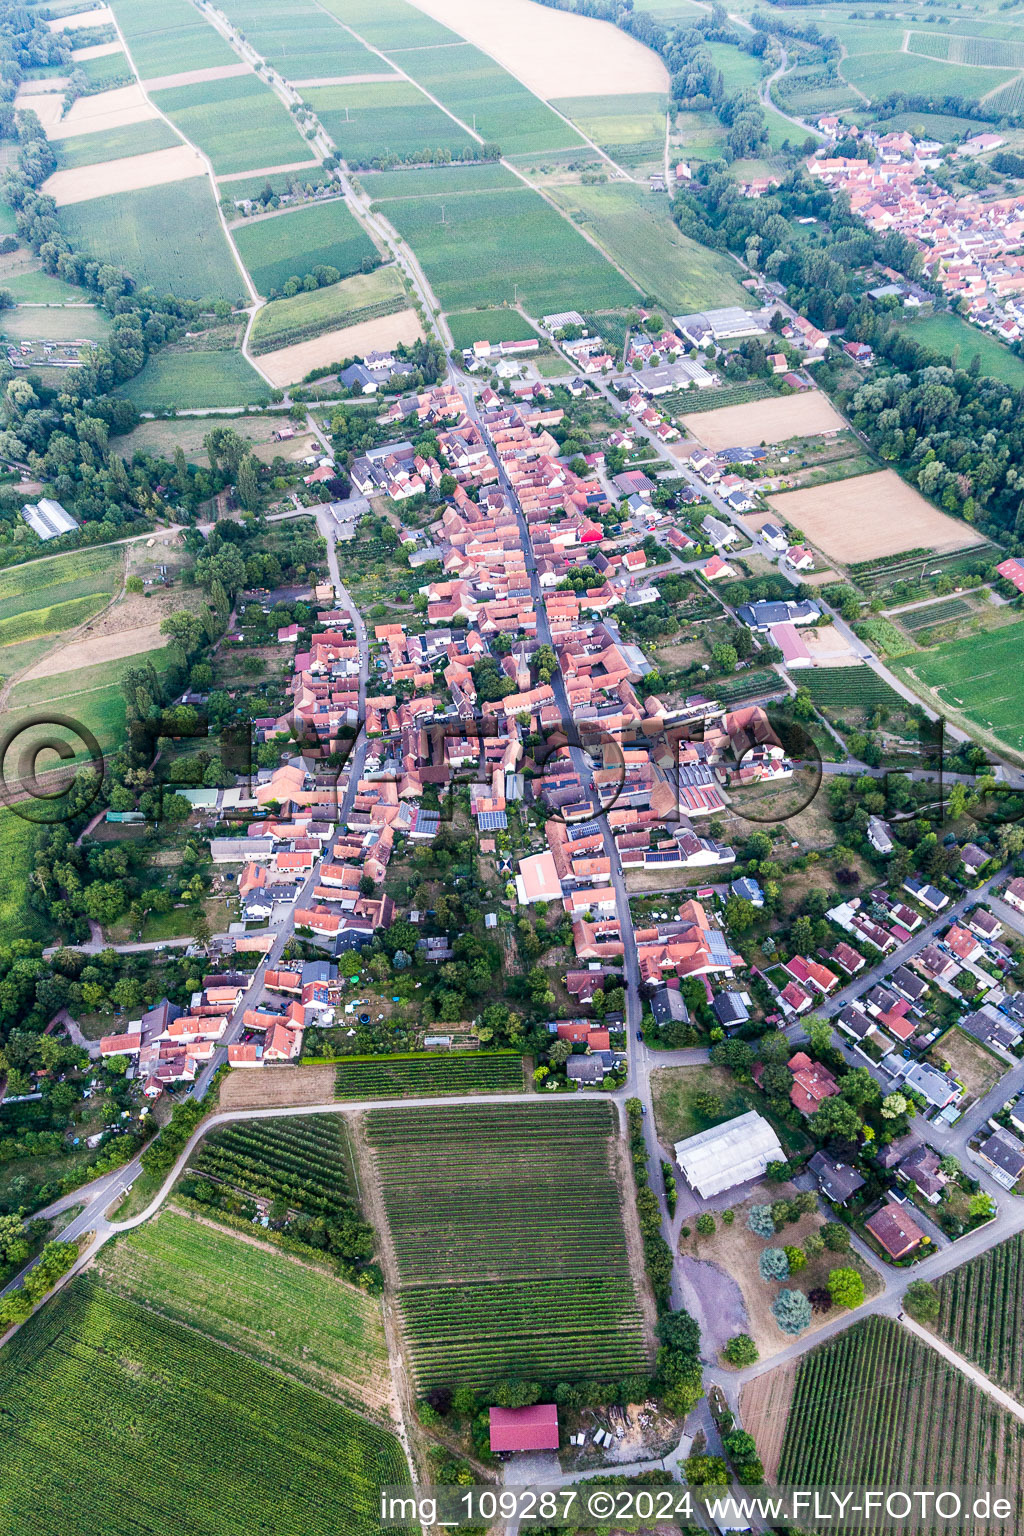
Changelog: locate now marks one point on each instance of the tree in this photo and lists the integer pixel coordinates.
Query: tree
(705, 1224)
(741, 1350)
(741, 1446)
(846, 1287)
(777, 1172)
(835, 1237)
(820, 1299)
(706, 1471)
(14, 1244)
(893, 1106)
(858, 1087)
(834, 1119)
(760, 1221)
(724, 657)
(773, 1264)
(708, 1105)
(680, 1332)
(792, 1311)
(739, 914)
(814, 1244)
(797, 1258)
(981, 1207)
(921, 1300)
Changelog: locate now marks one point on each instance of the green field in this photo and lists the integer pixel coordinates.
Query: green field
(493, 244)
(428, 1073)
(17, 919)
(365, 296)
(238, 122)
(741, 71)
(178, 380)
(391, 22)
(292, 1316)
(107, 71)
(77, 322)
(631, 129)
(493, 1258)
(71, 685)
(264, 1453)
(41, 288)
(960, 341)
(978, 678)
(880, 74)
(439, 181)
(376, 119)
(114, 144)
(980, 1312)
(856, 687)
(302, 1159)
(951, 48)
(300, 41)
(49, 621)
(935, 613)
(634, 227)
(477, 90)
(168, 238)
(38, 583)
(167, 36)
(866, 1408)
(292, 244)
(492, 325)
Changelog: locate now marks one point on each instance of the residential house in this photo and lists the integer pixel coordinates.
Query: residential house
(1004, 1153)
(895, 1230)
(837, 1181)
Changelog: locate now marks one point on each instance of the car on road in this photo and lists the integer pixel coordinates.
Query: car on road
(639, 1034)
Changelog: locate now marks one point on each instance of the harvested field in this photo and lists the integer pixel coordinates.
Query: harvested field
(554, 53)
(197, 76)
(764, 1409)
(153, 170)
(98, 51)
(773, 420)
(871, 516)
(291, 364)
(363, 296)
(97, 114)
(102, 16)
(98, 649)
(48, 106)
(276, 1087)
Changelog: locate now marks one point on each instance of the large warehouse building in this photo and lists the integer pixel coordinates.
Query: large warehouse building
(728, 1154)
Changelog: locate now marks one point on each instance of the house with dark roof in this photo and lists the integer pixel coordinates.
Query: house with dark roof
(731, 1009)
(837, 1181)
(928, 895)
(921, 1167)
(972, 859)
(990, 1027)
(1004, 1154)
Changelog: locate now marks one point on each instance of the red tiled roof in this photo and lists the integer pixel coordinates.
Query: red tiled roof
(525, 1429)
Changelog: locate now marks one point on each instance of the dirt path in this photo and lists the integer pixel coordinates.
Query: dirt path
(764, 1410)
(623, 1176)
(269, 170)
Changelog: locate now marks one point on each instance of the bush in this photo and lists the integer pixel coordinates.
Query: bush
(792, 1311)
(705, 1224)
(773, 1264)
(922, 1301)
(741, 1350)
(846, 1287)
(797, 1258)
(760, 1221)
(835, 1237)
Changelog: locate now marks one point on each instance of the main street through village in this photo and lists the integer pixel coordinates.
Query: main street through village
(100, 1199)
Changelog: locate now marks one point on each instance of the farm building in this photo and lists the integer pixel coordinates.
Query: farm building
(728, 1154)
(525, 1429)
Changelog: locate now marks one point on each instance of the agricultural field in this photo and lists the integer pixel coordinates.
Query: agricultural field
(740, 70)
(164, 36)
(266, 1453)
(491, 325)
(960, 342)
(256, 1299)
(33, 595)
(176, 379)
(631, 129)
(920, 619)
(109, 69)
(17, 919)
(38, 287)
(489, 1254)
(634, 227)
(334, 349)
(300, 41)
(980, 1309)
(976, 678)
(439, 181)
(382, 22)
(291, 244)
(426, 1074)
(866, 1405)
(774, 419)
(237, 188)
(304, 1160)
(878, 74)
(483, 96)
(849, 687)
(169, 238)
(51, 620)
(375, 119)
(869, 516)
(238, 123)
(492, 245)
(364, 296)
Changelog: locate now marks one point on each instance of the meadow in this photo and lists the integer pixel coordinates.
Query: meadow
(238, 123)
(291, 244)
(266, 1453)
(375, 119)
(486, 98)
(114, 144)
(866, 1406)
(78, 322)
(631, 129)
(300, 41)
(494, 245)
(740, 70)
(40, 288)
(289, 1315)
(634, 227)
(180, 379)
(491, 325)
(165, 36)
(364, 296)
(169, 238)
(492, 1259)
(977, 677)
(428, 1073)
(960, 342)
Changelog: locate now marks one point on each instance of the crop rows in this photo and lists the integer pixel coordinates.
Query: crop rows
(301, 1160)
(867, 1409)
(982, 1304)
(856, 687)
(315, 326)
(507, 1232)
(934, 613)
(690, 402)
(228, 1447)
(385, 1077)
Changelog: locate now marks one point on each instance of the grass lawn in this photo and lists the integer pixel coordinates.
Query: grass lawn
(740, 70)
(675, 1090)
(364, 296)
(41, 288)
(238, 122)
(167, 237)
(960, 342)
(291, 244)
(175, 380)
(52, 323)
(635, 228)
(266, 1303)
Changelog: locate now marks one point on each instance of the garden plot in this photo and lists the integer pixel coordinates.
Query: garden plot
(772, 420)
(554, 53)
(131, 175)
(870, 516)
